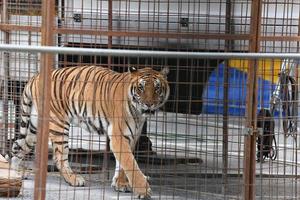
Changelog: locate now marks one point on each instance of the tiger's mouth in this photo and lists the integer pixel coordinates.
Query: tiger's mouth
(144, 108)
(148, 111)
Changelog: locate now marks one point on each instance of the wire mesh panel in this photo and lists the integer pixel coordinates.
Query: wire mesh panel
(183, 138)
(17, 68)
(277, 175)
(192, 147)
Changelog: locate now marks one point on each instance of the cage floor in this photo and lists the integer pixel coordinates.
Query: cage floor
(187, 165)
(96, 189)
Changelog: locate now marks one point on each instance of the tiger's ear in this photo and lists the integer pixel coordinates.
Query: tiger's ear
(165, 71)
(132, 69)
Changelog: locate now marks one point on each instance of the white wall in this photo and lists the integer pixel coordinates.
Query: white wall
(205, 18)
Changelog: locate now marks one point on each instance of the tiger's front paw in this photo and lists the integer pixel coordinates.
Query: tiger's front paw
(75, 180)
(146, 196)
(121, 185)
(122, 188)
(143, 191)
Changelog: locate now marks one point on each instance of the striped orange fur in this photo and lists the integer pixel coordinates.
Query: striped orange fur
(102, 101)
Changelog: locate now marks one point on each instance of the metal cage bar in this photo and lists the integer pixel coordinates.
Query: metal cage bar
(145, 53)
(44, 102)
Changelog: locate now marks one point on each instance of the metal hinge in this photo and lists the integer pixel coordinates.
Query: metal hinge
(250, 130)
(260, 131)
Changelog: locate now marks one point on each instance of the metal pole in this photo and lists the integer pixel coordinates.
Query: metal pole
(44, 101)
(228, 47)
(251, 107)
(297, 105)
(109, 62)
(110, 21)
(145, 53)
(5, 64)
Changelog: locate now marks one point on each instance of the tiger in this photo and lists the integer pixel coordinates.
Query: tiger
(102, 101)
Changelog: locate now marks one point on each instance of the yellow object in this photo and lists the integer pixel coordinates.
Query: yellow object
(268, 69)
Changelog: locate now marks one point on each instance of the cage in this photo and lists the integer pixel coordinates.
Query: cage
(202, 143)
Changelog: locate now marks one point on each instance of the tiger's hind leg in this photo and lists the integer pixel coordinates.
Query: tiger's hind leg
(21, 147)
(27, 138)
(59, 139)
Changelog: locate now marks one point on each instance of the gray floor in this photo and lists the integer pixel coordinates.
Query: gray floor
(57, 189)
(188, 163)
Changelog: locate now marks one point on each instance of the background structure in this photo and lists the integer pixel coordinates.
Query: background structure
(202, 144)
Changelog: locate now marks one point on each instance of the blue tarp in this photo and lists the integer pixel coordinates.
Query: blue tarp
(213, 95)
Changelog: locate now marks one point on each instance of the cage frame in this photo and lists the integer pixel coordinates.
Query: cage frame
(255, 38)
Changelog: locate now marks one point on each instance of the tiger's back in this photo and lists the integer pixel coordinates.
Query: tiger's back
(77, 93)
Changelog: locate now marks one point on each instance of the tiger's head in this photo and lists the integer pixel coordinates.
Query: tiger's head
(149, 89)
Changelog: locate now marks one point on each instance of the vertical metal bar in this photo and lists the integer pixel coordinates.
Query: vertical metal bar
(5, 64)
(60, 19)
(228, 47)
(109, 46)
(48, 11)
(296, 135)
(251, 107)
(110, 15)
(297, 112)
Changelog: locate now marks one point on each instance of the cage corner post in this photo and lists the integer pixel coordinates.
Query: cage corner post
(251, 108)
(4, 86)
(48, 14)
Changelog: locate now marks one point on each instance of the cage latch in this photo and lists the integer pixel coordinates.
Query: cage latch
(260, 131)
(250, 130)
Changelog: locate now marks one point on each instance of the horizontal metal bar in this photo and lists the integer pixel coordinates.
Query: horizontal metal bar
(143, 53)
(154, 34)
(118, 33)
(285, 38)
(14, 27)
(126, 33)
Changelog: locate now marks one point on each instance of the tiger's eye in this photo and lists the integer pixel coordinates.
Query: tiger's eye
(157, 86)
(141, 87)
(157, 89)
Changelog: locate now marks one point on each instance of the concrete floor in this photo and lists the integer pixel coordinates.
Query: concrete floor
(188, 163)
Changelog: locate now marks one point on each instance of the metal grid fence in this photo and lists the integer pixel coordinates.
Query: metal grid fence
(202, 144)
